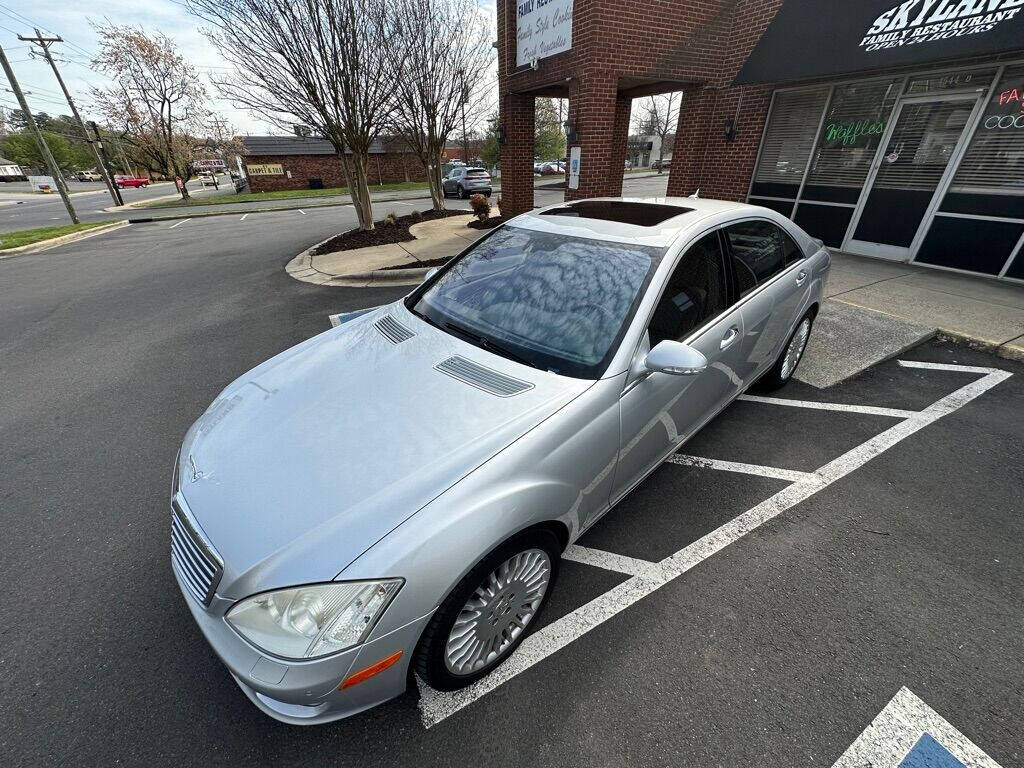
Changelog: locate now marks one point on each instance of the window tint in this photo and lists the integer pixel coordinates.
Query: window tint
(695, 293)
(758, 252)
(475, 173)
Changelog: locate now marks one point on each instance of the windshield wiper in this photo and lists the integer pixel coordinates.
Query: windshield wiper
(485, 343)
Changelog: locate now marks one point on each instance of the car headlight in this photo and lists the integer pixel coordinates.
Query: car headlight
(312, 621)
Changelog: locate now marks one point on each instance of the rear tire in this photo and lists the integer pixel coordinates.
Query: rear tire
(790, 356)
(489, 612)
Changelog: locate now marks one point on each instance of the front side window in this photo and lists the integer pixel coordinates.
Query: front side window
(694, 294)
(551, 301)
(758, 252)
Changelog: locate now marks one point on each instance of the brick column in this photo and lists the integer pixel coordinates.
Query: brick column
(688, 152)
(601, 117)
(517, 120)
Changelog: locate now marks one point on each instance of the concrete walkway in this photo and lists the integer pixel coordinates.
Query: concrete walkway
(980, 310)
(363, 267)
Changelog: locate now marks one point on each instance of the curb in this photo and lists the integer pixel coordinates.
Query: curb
(298, 204)
(53, 242)
(301, 268)
(1015, 353)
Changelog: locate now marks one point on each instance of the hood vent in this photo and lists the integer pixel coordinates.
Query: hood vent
(481, 377)
(392, 330)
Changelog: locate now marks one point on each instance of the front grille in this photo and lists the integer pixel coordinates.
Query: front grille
(197, 564)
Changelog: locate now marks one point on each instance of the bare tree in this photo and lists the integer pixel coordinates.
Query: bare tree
(444, 52)
(658, 116)
(157, 101)
(321, 63)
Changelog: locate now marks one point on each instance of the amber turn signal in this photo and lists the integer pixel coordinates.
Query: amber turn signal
(367, 672)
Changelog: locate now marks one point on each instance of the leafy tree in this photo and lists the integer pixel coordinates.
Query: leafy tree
(548, 139)
(491, 152)
(22, 149)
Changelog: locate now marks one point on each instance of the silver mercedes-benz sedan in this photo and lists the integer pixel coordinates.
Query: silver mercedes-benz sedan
(393, 495)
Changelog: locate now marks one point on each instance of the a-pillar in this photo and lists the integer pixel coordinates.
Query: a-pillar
(691, 143)
(600, 117)
(517, 122)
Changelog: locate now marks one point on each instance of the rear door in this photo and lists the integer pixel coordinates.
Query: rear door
(659, 411)
(771, 280)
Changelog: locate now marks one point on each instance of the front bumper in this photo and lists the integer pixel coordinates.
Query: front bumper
(306, 692)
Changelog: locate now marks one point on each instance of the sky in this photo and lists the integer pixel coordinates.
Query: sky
(73, 22)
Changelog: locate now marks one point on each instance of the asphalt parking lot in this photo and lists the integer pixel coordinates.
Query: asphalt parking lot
(833, 579)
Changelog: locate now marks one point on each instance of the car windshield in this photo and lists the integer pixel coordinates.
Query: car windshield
(550, 301)
(475, 172)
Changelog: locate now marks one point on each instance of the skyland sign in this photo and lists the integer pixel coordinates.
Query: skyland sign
(927, 21)
(543, 28)
(873, 35)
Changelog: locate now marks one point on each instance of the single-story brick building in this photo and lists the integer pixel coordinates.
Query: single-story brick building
(294, 162)
(887, 128)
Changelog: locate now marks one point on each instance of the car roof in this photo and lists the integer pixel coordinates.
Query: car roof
(658, 226)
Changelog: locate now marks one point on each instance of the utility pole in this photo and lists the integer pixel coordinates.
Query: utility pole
(465, 98)
(43, 148)
(45, 43)
(104, 165)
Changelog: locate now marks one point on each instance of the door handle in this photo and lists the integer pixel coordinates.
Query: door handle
(730, 336)
(801, 276)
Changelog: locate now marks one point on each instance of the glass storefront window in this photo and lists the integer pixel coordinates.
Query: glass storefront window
(788, 140)
(854, 123)
(994, 161)
(977, 80)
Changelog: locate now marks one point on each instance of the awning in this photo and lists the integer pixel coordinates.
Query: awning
(814, 38)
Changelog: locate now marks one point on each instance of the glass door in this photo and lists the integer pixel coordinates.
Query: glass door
(924, 137)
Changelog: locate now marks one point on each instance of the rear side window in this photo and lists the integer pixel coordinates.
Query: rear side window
(695, 293)
(758, 252)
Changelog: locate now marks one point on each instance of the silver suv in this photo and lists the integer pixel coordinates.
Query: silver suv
(465, 181)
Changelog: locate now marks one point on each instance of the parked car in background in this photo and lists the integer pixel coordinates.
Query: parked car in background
(239, 182)
(207, 179)
(628, 164)
(662, 165)
(464, 181)
(551, 169)
(394, 495)
(88, 176)
(130, 181)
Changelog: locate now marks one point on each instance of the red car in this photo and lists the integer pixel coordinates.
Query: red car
(130, 181)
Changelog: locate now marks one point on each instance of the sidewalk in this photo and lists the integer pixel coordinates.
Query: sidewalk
(980, 310)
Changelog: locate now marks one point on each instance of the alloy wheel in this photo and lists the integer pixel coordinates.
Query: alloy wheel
(498, 612)
(796, 347)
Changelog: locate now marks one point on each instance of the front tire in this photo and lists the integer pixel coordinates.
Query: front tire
(790, 357)
(487, 614)
(462, 193)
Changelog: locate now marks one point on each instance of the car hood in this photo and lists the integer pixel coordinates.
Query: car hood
(305, 462)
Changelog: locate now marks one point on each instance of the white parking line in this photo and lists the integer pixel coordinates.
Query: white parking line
(610, 561)
(886, 742)
(735, 466)
(436, 705)
(302, 212)
(183, 221)
(871, 410)
(943, 366)
(243, 216)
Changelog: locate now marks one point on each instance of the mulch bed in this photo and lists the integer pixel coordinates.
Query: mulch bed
(491, 223)
(384, 234)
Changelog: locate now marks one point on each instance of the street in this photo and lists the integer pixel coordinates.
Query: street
(866, 541)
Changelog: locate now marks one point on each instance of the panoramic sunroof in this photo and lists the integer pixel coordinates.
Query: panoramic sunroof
(622, 211)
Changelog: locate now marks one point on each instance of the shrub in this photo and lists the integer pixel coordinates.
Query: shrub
(416, 215)
(498, 203)
(390, 220)
(481, 208)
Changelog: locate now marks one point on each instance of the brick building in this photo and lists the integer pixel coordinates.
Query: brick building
(293, 162)
(888, 128)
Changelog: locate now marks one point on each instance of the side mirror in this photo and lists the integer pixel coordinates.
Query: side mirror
(675, 359)
(430, 273)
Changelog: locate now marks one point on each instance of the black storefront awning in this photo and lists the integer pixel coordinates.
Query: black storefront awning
(815, 38)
